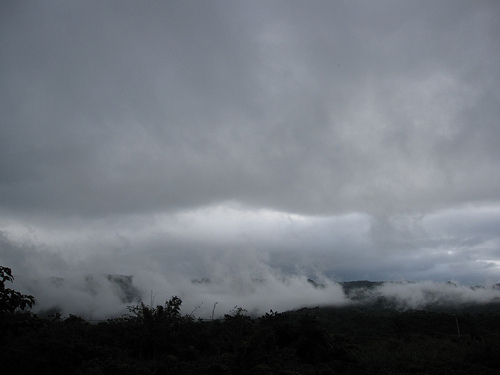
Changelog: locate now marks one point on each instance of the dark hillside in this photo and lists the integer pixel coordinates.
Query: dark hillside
(349, 340)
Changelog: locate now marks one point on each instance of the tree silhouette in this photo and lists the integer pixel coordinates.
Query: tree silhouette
(10, 300)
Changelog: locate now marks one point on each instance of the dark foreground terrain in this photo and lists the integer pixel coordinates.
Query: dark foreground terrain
(350, 340)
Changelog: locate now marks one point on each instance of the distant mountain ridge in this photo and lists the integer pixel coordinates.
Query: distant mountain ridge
(373, 295)
(407, 295)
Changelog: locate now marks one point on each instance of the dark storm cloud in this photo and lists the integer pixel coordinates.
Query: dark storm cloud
(127, 107)
(276, 138)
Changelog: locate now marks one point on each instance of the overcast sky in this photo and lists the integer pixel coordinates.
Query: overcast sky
(177, 140)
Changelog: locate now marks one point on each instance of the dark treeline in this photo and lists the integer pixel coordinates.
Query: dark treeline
(309, 341)
(161, 340)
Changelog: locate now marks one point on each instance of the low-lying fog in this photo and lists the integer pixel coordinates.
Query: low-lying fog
(259, 260)
(101, 296)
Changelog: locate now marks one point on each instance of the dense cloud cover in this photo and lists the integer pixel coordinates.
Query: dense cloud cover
(246, 141)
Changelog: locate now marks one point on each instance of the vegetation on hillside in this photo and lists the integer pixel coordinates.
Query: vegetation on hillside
(161, 340)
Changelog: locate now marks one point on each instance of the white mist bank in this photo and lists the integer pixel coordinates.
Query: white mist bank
(96, 297)
(419, 295)
(256, 259)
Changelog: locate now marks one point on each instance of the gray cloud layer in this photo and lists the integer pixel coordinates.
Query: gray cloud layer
(364, 136)
(133, 107)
